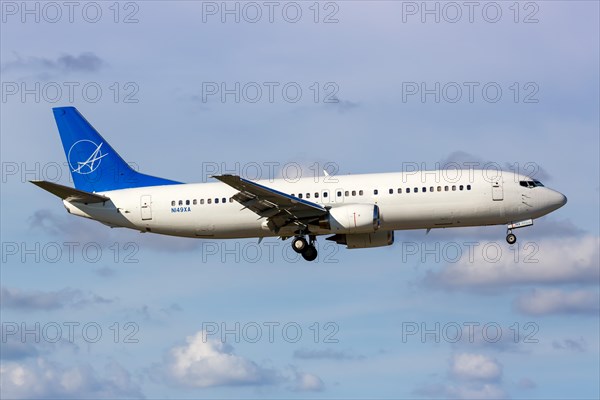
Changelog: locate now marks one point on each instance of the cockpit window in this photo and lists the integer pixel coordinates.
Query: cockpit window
(530, 184)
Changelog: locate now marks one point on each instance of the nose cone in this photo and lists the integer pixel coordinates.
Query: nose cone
(555, 200)
(563, 199)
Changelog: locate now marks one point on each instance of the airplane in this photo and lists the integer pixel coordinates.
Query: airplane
(358, 211)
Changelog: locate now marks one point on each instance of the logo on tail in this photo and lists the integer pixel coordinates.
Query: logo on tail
(88, 151)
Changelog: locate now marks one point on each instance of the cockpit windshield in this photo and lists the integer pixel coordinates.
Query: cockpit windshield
(530, 184)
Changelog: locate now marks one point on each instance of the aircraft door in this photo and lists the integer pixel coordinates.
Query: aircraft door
(497, 190)
(146, 207)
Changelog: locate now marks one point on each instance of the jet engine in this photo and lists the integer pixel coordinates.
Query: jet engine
(364, 240)
(352, 218)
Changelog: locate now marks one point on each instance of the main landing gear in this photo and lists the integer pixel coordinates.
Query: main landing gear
(307, 249)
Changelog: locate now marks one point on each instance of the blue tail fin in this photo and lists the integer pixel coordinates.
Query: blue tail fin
(95, 165)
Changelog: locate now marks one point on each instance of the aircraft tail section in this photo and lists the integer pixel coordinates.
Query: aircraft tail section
(95, 166)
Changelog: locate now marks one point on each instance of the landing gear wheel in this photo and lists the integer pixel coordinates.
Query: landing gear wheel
(299, 244)
(309, 253)
(511, 238)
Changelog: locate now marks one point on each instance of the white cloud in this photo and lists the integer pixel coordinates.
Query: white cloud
(477, 392)
(577, 345)
(470, 366)
(471, 376)
(306, 382)
(204, 362)
(553, 261)
(489, 336)
(526, 384)
(41, 378)
(556, 301)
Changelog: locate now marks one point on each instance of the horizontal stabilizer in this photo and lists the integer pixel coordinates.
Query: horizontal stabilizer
(70, 194)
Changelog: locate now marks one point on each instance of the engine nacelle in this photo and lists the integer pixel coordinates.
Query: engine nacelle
(364, 240)
(352, 218)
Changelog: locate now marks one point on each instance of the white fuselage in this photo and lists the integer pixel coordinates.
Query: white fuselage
(431, 199)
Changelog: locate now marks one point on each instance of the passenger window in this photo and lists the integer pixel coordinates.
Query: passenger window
(195, 202)
(416, 190)
(231, 199)
(187, 202)
(399, 190)
(354, 193)
(453, 188)
(173, 203)
(391, 191)
(461, 187)
(375, 192)
(446, 188)
(180, 202)
(468, 187)
(293, 195)
(325, 194)
(308, 195)
(316, 195)
(407, 190)
(217, 200)
(224, 200)
(299, 195)
(439, 189)
(209, 201)
(339, 193)
(360, 192)
(201, 201)
(431, 188)
(346, 193)
(424, 189)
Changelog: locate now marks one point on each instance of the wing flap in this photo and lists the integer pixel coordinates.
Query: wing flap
(280, 208)
(70, 194)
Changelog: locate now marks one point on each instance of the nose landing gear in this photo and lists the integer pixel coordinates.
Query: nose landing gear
(307, 249)
(510, 237)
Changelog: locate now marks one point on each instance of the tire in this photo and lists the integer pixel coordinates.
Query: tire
(299, 244)
(310, 253)
(511, 238)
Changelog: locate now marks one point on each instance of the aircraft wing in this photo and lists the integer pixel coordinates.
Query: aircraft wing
(70, 194)
(280, 208)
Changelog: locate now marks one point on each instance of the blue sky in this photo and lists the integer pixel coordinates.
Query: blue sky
(451, 314)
